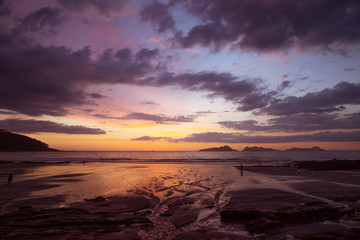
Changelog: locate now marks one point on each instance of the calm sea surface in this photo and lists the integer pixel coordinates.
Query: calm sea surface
(274, 158)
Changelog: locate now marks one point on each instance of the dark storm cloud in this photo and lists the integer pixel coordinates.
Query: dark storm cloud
(38, 80)
(37, 126)
(241, 138)
(44, 20)
(265, 25)
(148, 117)
(103, 8)
(283, 85)
(146, 54)
(157, 118)
(95, 95)
(326, 100)
(297, 123)
(249, 93)
(157, 14)
(4, 8)
(148, 138)
(53, 78)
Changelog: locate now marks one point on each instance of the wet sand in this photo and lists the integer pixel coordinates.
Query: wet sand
(174, 201)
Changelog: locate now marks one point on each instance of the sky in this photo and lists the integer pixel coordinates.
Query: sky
(181, 74)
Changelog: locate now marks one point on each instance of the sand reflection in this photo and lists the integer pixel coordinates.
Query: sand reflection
(77, 182)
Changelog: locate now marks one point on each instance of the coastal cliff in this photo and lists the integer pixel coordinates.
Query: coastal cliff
(11, 142)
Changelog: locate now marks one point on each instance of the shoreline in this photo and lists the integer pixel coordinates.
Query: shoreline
(179, 202)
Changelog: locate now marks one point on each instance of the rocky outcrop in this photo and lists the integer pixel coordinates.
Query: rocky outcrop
(223, 148)
(258, 149)
(11, 142)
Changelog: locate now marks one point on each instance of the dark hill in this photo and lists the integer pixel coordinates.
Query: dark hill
(223, 148)
(11, 142)
(306, 149)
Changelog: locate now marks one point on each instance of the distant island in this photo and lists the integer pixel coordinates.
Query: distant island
(218, 149)
(257, 149)
(261, 149)
(306, 149)
(12, 142)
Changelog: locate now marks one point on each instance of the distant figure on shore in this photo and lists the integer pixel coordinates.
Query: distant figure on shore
(241, 169)
(10, 179)
(84, 163)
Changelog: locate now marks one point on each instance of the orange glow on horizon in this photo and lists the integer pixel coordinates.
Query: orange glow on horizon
(110, 143)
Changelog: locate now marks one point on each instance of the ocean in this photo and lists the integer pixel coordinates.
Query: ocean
(181, 157)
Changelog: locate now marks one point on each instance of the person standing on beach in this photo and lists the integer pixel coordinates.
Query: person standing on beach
(10, 179)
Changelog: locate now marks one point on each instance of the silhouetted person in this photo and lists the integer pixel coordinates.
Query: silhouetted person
(83, 162)
(10, 179)
(241, 169)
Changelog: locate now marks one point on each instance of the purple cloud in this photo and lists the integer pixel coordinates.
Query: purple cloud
(52, 79)
(37, 126)
(157, 14)
(283, 85)
(106, 9)
(326, 100)
(297, 123)
(264, 26)
(157, 118)
(248, 93)
(44, 20)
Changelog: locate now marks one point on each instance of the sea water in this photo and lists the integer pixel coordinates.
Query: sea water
(190, 157)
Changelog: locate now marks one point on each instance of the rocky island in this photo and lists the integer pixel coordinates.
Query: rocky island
(217, 149)
(306, 149)
(258, 149)
(11, 142)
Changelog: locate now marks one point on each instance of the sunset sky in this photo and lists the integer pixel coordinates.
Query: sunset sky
(181, 74)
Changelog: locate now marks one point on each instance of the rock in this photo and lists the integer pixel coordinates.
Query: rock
(11, 142)
(240, 216)
(216, 149)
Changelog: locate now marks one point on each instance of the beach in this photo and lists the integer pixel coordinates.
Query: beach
(176, 201)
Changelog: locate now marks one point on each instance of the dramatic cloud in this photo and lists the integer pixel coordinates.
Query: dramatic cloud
(283, 85)
(38, 126)
(106, 9)
(38, 80)
(241, 138)
(54, 77)
(326, 100)
(298, 123)
(158, 15)
(162, 119)
(264, 25)
(247, 93)
(157, 118)
(44, 20)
